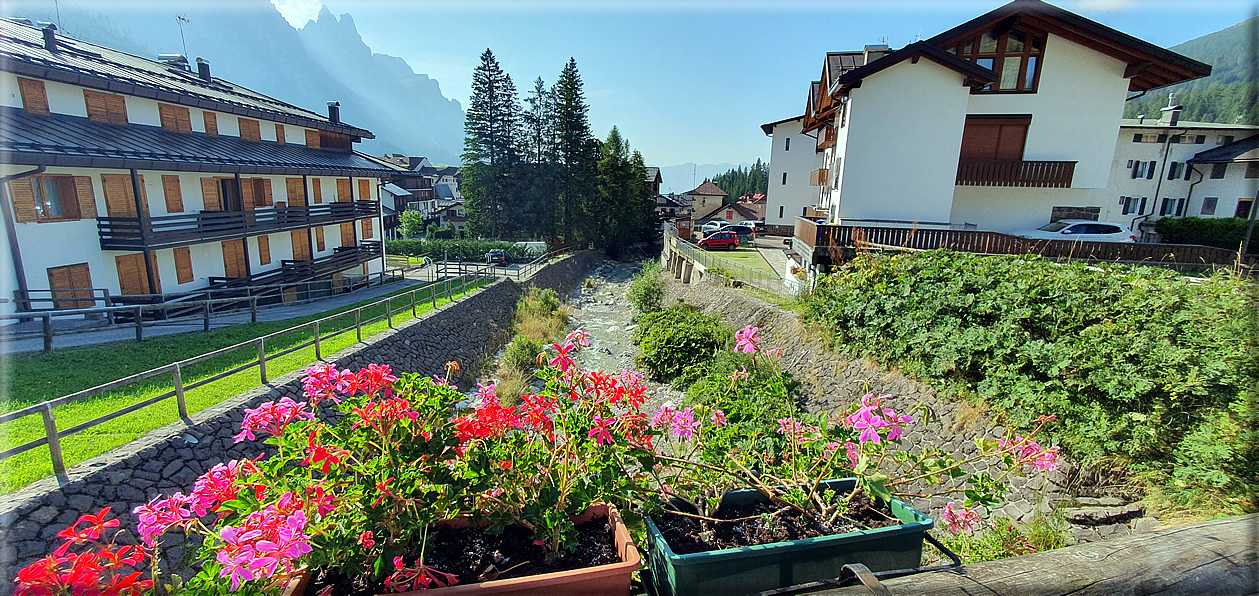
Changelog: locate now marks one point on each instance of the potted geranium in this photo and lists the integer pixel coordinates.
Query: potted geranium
(766, 507)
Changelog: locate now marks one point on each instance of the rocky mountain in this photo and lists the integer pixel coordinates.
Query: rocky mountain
(252, 45)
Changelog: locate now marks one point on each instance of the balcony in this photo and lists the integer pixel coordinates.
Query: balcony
(826, 138)
(183, 229)
(819, 177)
(1031, 174)
(297, 271)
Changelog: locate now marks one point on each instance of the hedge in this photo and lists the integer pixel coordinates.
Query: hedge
(459, 250)
(1220, 232)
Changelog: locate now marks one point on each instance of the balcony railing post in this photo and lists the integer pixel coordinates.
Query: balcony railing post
(54, 442)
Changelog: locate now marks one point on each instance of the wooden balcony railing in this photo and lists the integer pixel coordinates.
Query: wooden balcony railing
(1038, 174)
(826, 138)
(183, 229)
(819, 177)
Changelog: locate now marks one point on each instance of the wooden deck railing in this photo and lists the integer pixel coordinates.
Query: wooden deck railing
(1039, 174)
(181, 229)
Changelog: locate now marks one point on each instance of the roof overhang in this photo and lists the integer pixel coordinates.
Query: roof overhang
(1245, 150)
(974, 76)
(768, 128)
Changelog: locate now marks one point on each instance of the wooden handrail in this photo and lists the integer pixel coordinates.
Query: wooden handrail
(127, 233)
(1016, 173)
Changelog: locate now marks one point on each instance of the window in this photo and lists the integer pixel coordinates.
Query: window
(804, 212)
(211, 124)
(364, 190)
(105, 107)
(1176, 139)
(1162, 139)
(787, 144)
(54, 198)
(1141, 211)
(1243, 208)
(1165, 208)
(1252, 169)
(1173, 171)
(367, 229)
(34, 96)
(784, 177)
(315, 190)
(1136, 138)
(986, 138)
(1149, 171)
(174, 118)
(183, 265)
(234, 264)
(71, 286)
(1138, 170)
(250, 130)
(1208, 205)
(279, 134)
(1126, 204)
(1200, 140)
(1224, 139)
(1189, 170)
(780, 212)
(1129, 164)
(1015, 56)
(343, 190)
(1180, 207)
(1218, 170)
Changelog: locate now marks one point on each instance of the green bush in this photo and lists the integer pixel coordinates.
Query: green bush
(522, 354)
(671, 340)
(646, 292)
(459, 250)
(540, 315)
(752, 407)
(1220, 232)
(1140, 366)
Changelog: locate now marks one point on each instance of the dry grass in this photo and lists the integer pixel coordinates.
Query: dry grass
(968, 414)
(511, 384)
(540, 316)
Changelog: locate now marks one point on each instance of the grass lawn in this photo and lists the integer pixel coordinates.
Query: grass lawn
(746, 256)
(39, 377)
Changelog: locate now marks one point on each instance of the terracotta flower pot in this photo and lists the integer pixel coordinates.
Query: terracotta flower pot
(612, 579)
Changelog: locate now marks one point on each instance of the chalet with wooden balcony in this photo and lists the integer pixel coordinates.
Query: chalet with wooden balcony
(141, 176)
(996, 124)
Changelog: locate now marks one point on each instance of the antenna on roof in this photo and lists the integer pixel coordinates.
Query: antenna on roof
(181, 19)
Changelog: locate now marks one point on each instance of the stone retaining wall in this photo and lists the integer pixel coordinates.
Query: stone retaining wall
(170, 459)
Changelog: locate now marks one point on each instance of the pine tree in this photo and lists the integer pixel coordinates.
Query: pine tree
(491, 142)
(624, 208)
(575, 151)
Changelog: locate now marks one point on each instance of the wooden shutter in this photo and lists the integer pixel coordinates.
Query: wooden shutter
(234, 259)
(319, 244)
(97, 111)
(69, 202)
(279, 134)
(120, 197)
(312, 139)
(262, 190)
(347, 234)
(247, 193)
(87, 200)
(301, 245)
(250, 130)
(174, 197)
(364, 190)
(34, 96)
(132, 277)
(183, 265)
(994, 138)
(295, 190)
(343, 190)
(211, 123)
(210, 194)
(23, 194)
(174, 118)
(71, 286)
(264, 250)
(316, 190)
(367, 229)
(117, 108)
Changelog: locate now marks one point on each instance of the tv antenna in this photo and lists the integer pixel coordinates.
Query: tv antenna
(181, 19)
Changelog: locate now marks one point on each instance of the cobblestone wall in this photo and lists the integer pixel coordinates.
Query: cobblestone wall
(170, 459)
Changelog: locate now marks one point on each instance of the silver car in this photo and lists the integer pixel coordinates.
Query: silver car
(1080, 229)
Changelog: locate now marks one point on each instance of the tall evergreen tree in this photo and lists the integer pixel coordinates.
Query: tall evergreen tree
(576, 152)
(491, 146)
(624, 209)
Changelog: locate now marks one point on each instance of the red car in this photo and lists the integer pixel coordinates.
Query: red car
(722, 239)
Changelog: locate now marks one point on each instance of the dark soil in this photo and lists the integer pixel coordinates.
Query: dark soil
(475, 556)
(687, 535)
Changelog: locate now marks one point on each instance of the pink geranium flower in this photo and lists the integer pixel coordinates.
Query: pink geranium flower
(961, 519)
(719, 418)
(600, 431)
(746, 339)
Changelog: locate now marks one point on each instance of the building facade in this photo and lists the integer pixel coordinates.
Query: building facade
(139, 177)
(793, 156)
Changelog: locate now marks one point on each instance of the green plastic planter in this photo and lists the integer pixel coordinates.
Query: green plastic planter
(751, 569)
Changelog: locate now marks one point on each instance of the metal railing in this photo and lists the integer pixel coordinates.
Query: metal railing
(52, 435)
(768, 281)
(181, 229)
(1035, 174)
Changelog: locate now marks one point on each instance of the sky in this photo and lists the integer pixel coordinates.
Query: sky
(693, 80)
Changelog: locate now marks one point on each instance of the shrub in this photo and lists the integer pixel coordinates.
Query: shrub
(522, 354)
(459, 250)
(1220, 232)
(671, 340)
(646, 292)
(540, 315)
(1138, 363)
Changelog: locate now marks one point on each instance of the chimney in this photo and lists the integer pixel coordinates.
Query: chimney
(880, 49)
(50, 35)
(334, 112)
(1172, 111)
(1140, 118)
(203, 69)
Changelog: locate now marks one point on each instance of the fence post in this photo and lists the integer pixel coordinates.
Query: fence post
(432, 293)
(262, 360)
(413, 315)
(54, 442)
(253, 309)
(389, 310)
(139, 323)
(358, 325)
(206, 325)
(47, 321)
(318, 353)
(179, 392)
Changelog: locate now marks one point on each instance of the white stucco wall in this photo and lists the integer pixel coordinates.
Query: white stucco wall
(790, 199)
(904, 135)
(1004, 209)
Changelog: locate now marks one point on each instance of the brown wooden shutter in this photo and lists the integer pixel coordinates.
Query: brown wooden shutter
(262, 191)
(23, 194)
(183, 265)
(312, 139)
(279, 134)
(120, 197)
(367, 229)
(97, 111)
(71, 286)
(295, 190)
(174, 196)
(319, 244)
(316, 190)
(174, 118)
(234, 259)
(210, 194)
(211, 123)
(87, 200)
(69, 202)
(343, 190)
(364, 190)
(301, 245)
(264, 250)
(34, 96)
(116, 105)
(247, 193)
(347, 234)
(183, 120)
(133, 278)
(250, 130)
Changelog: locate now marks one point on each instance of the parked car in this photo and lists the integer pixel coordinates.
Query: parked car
(720, 239)
(713, 226)
(1080, 229)
(496, 256)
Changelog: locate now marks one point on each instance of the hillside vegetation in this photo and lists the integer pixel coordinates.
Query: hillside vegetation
(1228, 95)
(1147, 372)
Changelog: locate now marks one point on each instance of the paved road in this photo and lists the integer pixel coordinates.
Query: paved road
(775, 252)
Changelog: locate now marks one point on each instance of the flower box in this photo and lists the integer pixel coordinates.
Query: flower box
(768, 566)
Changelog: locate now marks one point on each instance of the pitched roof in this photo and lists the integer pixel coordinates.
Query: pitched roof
(708, 189)
(768, 127)
(74, 141)
(743, 212)
(975, 75)
(1149, 66)
(1155, 123)
(78, 62)
(653, 174)
(1244, 150)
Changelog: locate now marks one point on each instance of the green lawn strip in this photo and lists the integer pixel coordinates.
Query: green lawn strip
(746, 256)
(20, 470)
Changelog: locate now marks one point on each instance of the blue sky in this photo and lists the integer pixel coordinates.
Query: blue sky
(692, 80)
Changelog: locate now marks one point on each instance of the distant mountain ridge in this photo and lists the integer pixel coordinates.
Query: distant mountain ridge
(1228, 95)
(252, 45)
(687, 176)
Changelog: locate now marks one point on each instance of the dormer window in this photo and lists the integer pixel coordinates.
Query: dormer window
(1014, 55)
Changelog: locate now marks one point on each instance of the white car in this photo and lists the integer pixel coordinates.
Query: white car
(713, 226)
(1080, 229)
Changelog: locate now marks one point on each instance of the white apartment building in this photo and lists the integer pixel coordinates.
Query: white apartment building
(139, 177)
(1005, 122)
(793, 156)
